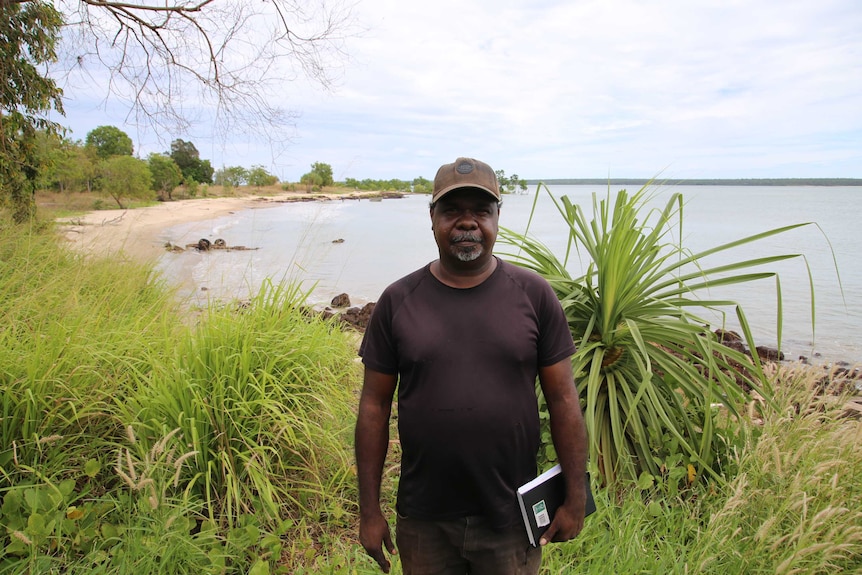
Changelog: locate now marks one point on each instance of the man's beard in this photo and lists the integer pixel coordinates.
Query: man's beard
(467, 254)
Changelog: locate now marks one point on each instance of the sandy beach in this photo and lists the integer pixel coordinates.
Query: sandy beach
(135, 233)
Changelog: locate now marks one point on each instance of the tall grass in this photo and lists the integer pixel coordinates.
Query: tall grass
(795, 505)
(134, 442)
(65, 341)
(260, 395)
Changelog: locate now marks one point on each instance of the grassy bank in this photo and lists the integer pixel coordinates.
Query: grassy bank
(135, 440)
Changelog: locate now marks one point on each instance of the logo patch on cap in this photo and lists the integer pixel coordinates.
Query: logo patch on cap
(464, 168)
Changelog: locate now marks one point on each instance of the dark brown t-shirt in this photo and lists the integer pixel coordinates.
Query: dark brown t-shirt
(467, 361)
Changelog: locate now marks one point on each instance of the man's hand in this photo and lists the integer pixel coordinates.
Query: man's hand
(373, 535)
(570, 441)
(567, 523)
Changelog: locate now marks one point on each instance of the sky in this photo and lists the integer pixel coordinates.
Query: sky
(561, 89)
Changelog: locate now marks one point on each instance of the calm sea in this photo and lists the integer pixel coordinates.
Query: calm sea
(384, 240)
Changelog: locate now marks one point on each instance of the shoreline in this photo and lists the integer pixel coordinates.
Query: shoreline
(133, 234)
(136, 234)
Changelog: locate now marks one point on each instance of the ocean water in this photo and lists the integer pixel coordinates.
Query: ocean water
(359, 247)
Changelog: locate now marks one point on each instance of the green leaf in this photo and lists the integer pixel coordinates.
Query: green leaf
(260, 567)
(37, 526)
(66, 488)
(645, 481)
(92, 467)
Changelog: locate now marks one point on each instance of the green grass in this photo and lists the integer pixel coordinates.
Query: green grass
(795, 505)
(126, 431)
(133, 442)
(259, 396)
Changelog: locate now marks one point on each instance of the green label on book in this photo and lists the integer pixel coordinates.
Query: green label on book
(540, 511)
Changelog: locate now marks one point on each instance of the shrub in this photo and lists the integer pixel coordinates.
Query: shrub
(648, 371)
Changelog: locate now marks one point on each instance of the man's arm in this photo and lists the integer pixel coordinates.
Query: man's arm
(372, 441)
(570, 441)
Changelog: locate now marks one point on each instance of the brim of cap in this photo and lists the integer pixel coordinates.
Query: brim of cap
(454, 187)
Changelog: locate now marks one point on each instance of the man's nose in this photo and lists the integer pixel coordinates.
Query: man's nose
(467, 218)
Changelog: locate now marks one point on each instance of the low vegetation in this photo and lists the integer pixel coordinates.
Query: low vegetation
(135, 438)
(136, 443)
(792, 505)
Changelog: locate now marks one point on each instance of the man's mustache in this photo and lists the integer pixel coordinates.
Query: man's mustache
(466, 237)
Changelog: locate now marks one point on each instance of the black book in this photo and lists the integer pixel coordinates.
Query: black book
(540, 498)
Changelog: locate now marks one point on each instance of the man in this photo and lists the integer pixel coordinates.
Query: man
(463, 340)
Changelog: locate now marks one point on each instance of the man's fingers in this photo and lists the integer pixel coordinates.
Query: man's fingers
(375, 538)
(387, 540)
(380, 557)
(562, 528)
(549, 534)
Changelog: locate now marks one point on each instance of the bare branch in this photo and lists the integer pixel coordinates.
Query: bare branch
(178, 62)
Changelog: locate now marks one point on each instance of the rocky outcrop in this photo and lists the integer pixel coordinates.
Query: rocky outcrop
(354, 317)
(341, 300)
(204, 245)
(734, 341)
(358, 317)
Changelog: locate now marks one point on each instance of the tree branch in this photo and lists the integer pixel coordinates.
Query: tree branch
(179, 61)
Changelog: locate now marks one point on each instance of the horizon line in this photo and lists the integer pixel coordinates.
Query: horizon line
(700, 181)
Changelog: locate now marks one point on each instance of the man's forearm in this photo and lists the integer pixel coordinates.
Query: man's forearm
(372, 442)
(570, 441)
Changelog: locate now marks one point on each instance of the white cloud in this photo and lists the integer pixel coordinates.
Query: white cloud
(567, 88)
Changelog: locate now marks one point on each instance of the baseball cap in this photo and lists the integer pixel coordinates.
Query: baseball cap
(465, 173)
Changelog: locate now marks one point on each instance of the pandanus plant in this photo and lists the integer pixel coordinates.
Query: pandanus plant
(652, 377)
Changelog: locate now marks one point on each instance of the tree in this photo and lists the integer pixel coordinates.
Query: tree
(187, 157)
(422, 185)
(231, 56)
(324, 171)
(232, 176)
(311, 180)
(49, 152)
(510, 185)
(109, 141)
(125, 177)
(28, 37)
(75, 168)
(518, 182)
(259, 177)
(64, 165)
(166, 174)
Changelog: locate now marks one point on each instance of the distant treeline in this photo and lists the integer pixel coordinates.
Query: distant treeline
(705, 182)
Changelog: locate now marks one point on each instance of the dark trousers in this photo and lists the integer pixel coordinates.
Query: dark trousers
(462, 546)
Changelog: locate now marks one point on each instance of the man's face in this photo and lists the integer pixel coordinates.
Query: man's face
(465, 224)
